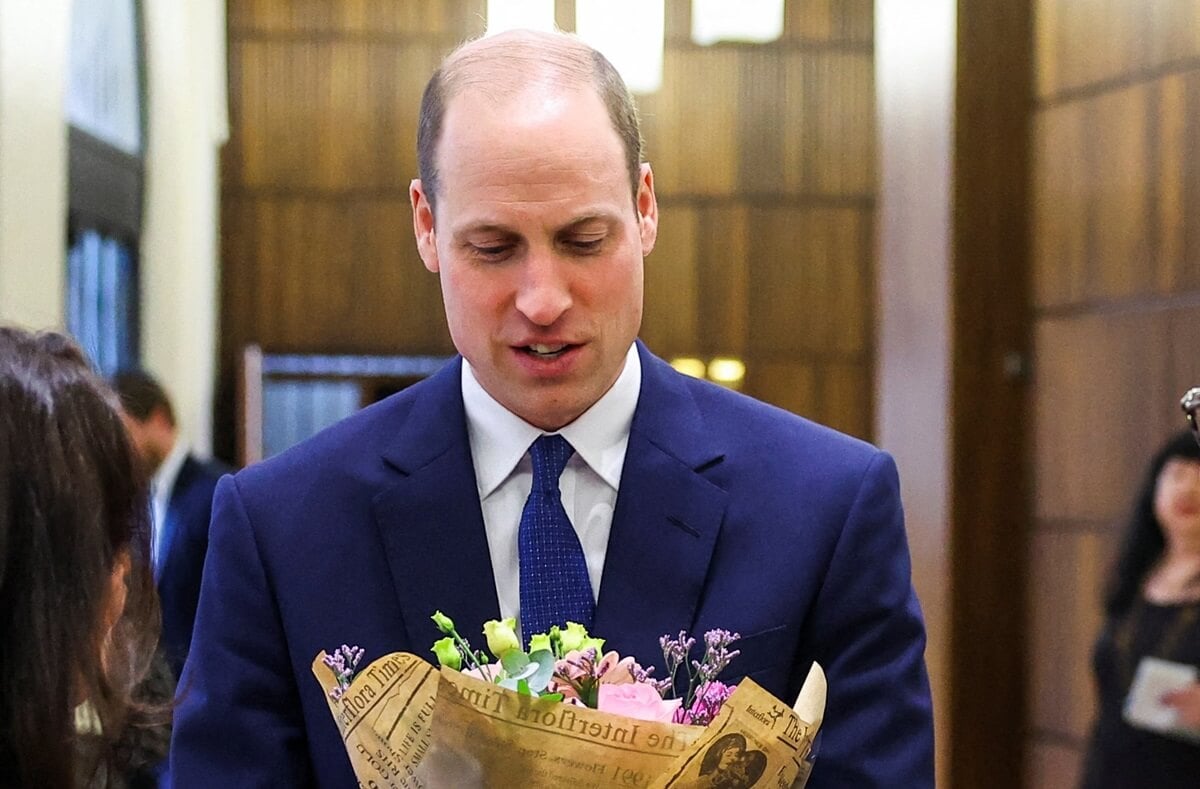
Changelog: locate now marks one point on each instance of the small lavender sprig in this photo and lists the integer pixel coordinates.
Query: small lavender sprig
(717, 654)
(675, 654)
(344, 662)
(700, 673)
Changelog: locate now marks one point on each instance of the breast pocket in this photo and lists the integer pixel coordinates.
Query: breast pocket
(767, 657)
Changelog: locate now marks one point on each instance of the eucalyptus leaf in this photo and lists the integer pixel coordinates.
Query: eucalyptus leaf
(517, 665)
(544, 661)
(514, 662)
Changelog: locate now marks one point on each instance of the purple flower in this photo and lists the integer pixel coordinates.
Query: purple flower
(344, 662)
(707, 703)
(701, 674)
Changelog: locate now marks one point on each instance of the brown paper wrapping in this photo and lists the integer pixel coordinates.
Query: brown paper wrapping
(407, 725)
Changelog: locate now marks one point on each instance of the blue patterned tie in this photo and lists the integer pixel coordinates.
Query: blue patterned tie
(554, 579)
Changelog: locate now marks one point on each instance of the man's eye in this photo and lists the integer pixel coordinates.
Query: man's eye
(584, 245)
(492, 251)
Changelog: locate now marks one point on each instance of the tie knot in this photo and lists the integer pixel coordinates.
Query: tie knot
(550, 455)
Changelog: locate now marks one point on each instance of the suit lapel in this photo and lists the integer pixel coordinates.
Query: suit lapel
(170, 524)
(430, 519)
(665, 523)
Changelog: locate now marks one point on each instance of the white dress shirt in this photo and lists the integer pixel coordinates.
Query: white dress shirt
(161, 487)
(500, 443)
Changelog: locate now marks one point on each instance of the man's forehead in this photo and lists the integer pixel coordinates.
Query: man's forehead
(485, 223)
(539, 123)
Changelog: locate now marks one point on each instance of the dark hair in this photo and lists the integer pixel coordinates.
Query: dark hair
(563, 55)
(1144, 542)
(72, 503)
(141, 394)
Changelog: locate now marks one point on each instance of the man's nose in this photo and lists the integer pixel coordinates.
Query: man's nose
(544, 293)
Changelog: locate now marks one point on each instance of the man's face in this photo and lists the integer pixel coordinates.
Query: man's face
(152, 438)
(539, 247)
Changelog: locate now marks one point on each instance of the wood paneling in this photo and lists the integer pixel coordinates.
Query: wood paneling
(1060, 208)
(1117, 183)
(990, 288)
(1068, 567)
(724, 272)
(672, 315)
(1052, 766)
(422, 18)
(1081, 44)
(1095, 424)
(830, 20)
(763, 159)
(808, 291)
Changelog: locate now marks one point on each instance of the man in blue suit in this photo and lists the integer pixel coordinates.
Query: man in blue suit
(182, 486)
(692, 507)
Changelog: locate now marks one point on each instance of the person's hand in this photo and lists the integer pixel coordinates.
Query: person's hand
(1186, 702)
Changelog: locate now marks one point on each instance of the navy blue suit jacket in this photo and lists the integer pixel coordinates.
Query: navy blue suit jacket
(185, 542)
(731, 514)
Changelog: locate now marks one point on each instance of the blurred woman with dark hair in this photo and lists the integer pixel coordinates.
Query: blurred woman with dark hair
(78, 614)
(1152, 610)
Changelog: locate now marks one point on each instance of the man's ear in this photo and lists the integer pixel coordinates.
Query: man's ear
(647, 209)
(158, 419)
(423, 225)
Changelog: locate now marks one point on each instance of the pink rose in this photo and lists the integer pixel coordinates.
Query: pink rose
(636, 700)
(615, 669)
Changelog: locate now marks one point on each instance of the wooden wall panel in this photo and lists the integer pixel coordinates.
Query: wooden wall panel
(788, 384)
(371, 17)
(1117, 193)
(1082, 44)
(1060, 207)
(808, 282)
(1052, 766)
(1117, 180)
(1094, 429)
(672, 317)
(851, 21)
(1120, 192)
(845, 398)
(724, 273)
(1069, 567)
(329, 116)
(691, 140)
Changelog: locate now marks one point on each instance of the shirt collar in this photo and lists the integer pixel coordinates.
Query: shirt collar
(168, 470)
(500, 438)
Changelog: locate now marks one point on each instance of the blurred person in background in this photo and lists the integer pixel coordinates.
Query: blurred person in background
(1152, 610)
(181, 486)
(78, 611)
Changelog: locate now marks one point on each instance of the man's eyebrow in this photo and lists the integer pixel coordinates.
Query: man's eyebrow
(484, 227)
(602, 217)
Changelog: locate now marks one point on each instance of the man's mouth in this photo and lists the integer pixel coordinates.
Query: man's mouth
(541, 351)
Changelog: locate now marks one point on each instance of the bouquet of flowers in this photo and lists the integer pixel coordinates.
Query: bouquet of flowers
(565, 712)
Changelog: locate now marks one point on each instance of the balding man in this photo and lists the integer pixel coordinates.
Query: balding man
(555, 471)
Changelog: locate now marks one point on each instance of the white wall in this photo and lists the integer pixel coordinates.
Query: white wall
(185, 55)
(33, 161)
(187, 123)
(915, 44)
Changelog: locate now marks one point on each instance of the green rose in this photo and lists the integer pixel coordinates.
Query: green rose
(443, 622)
(573, 636)
(501, 636)
(447, 654)
(593, 643)
(540, 642)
